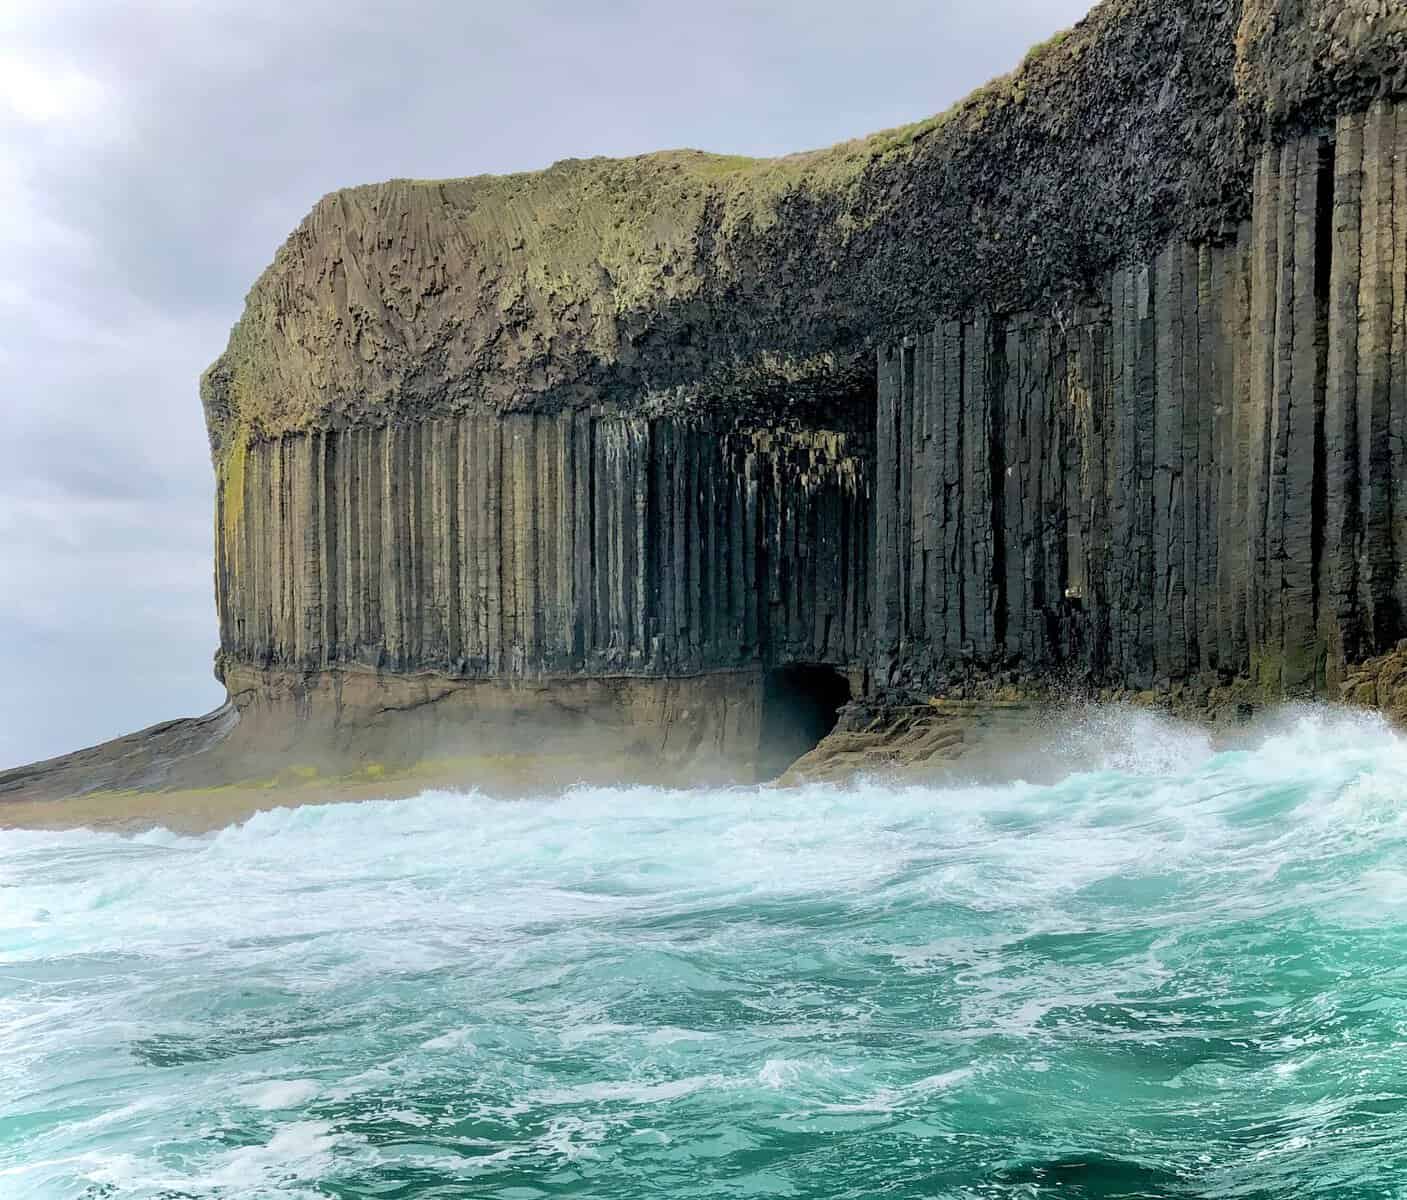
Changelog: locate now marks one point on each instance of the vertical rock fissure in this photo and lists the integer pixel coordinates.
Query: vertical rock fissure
(959, 635)
(996, 467)
(1396, 367)
(1374, 392)
(1145, 388)
(1323, 279)
(903, 450)
(331, 508)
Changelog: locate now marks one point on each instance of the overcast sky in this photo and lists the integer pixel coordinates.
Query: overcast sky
(153, 155)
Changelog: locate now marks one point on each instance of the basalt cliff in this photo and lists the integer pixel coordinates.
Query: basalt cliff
(1096, 382)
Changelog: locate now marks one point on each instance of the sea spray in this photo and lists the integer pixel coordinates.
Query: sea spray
(1176, 972)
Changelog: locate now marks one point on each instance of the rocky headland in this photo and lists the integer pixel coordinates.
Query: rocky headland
(1094, 385)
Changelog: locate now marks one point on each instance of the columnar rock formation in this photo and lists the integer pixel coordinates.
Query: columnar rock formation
(1100, 377)
(532, 544)
(1138, 312)
(1198, 470)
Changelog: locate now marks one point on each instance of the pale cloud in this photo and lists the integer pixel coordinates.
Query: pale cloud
(47, 93)
(158, 151)
(28, 227)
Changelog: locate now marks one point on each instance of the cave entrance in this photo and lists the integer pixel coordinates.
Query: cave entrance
(800, 705)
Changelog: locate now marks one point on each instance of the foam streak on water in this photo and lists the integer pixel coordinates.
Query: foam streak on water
(1178, 974)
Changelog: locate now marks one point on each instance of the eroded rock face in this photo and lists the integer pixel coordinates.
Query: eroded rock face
(1194, 473)
(1307, 62)
(1380, 683)
(1097, 380)
(1136, 306)
(532, 544)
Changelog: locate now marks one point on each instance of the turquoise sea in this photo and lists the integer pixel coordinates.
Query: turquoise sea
(1175, 973)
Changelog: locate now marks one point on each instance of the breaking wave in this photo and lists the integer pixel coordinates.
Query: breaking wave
(1176, 972)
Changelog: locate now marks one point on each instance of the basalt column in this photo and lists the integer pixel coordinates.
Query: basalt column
(1195, 473)
(528, 545)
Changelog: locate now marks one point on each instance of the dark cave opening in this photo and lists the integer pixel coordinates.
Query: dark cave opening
(800, 706)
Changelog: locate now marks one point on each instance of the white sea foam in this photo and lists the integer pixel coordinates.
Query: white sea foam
(297, 1153)
(281, 1093)
(535, 986)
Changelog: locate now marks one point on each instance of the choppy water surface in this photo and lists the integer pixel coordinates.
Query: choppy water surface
(1179, 974)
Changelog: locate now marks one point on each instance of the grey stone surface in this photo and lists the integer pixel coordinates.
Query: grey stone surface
(537, 544)
(1197, 474)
